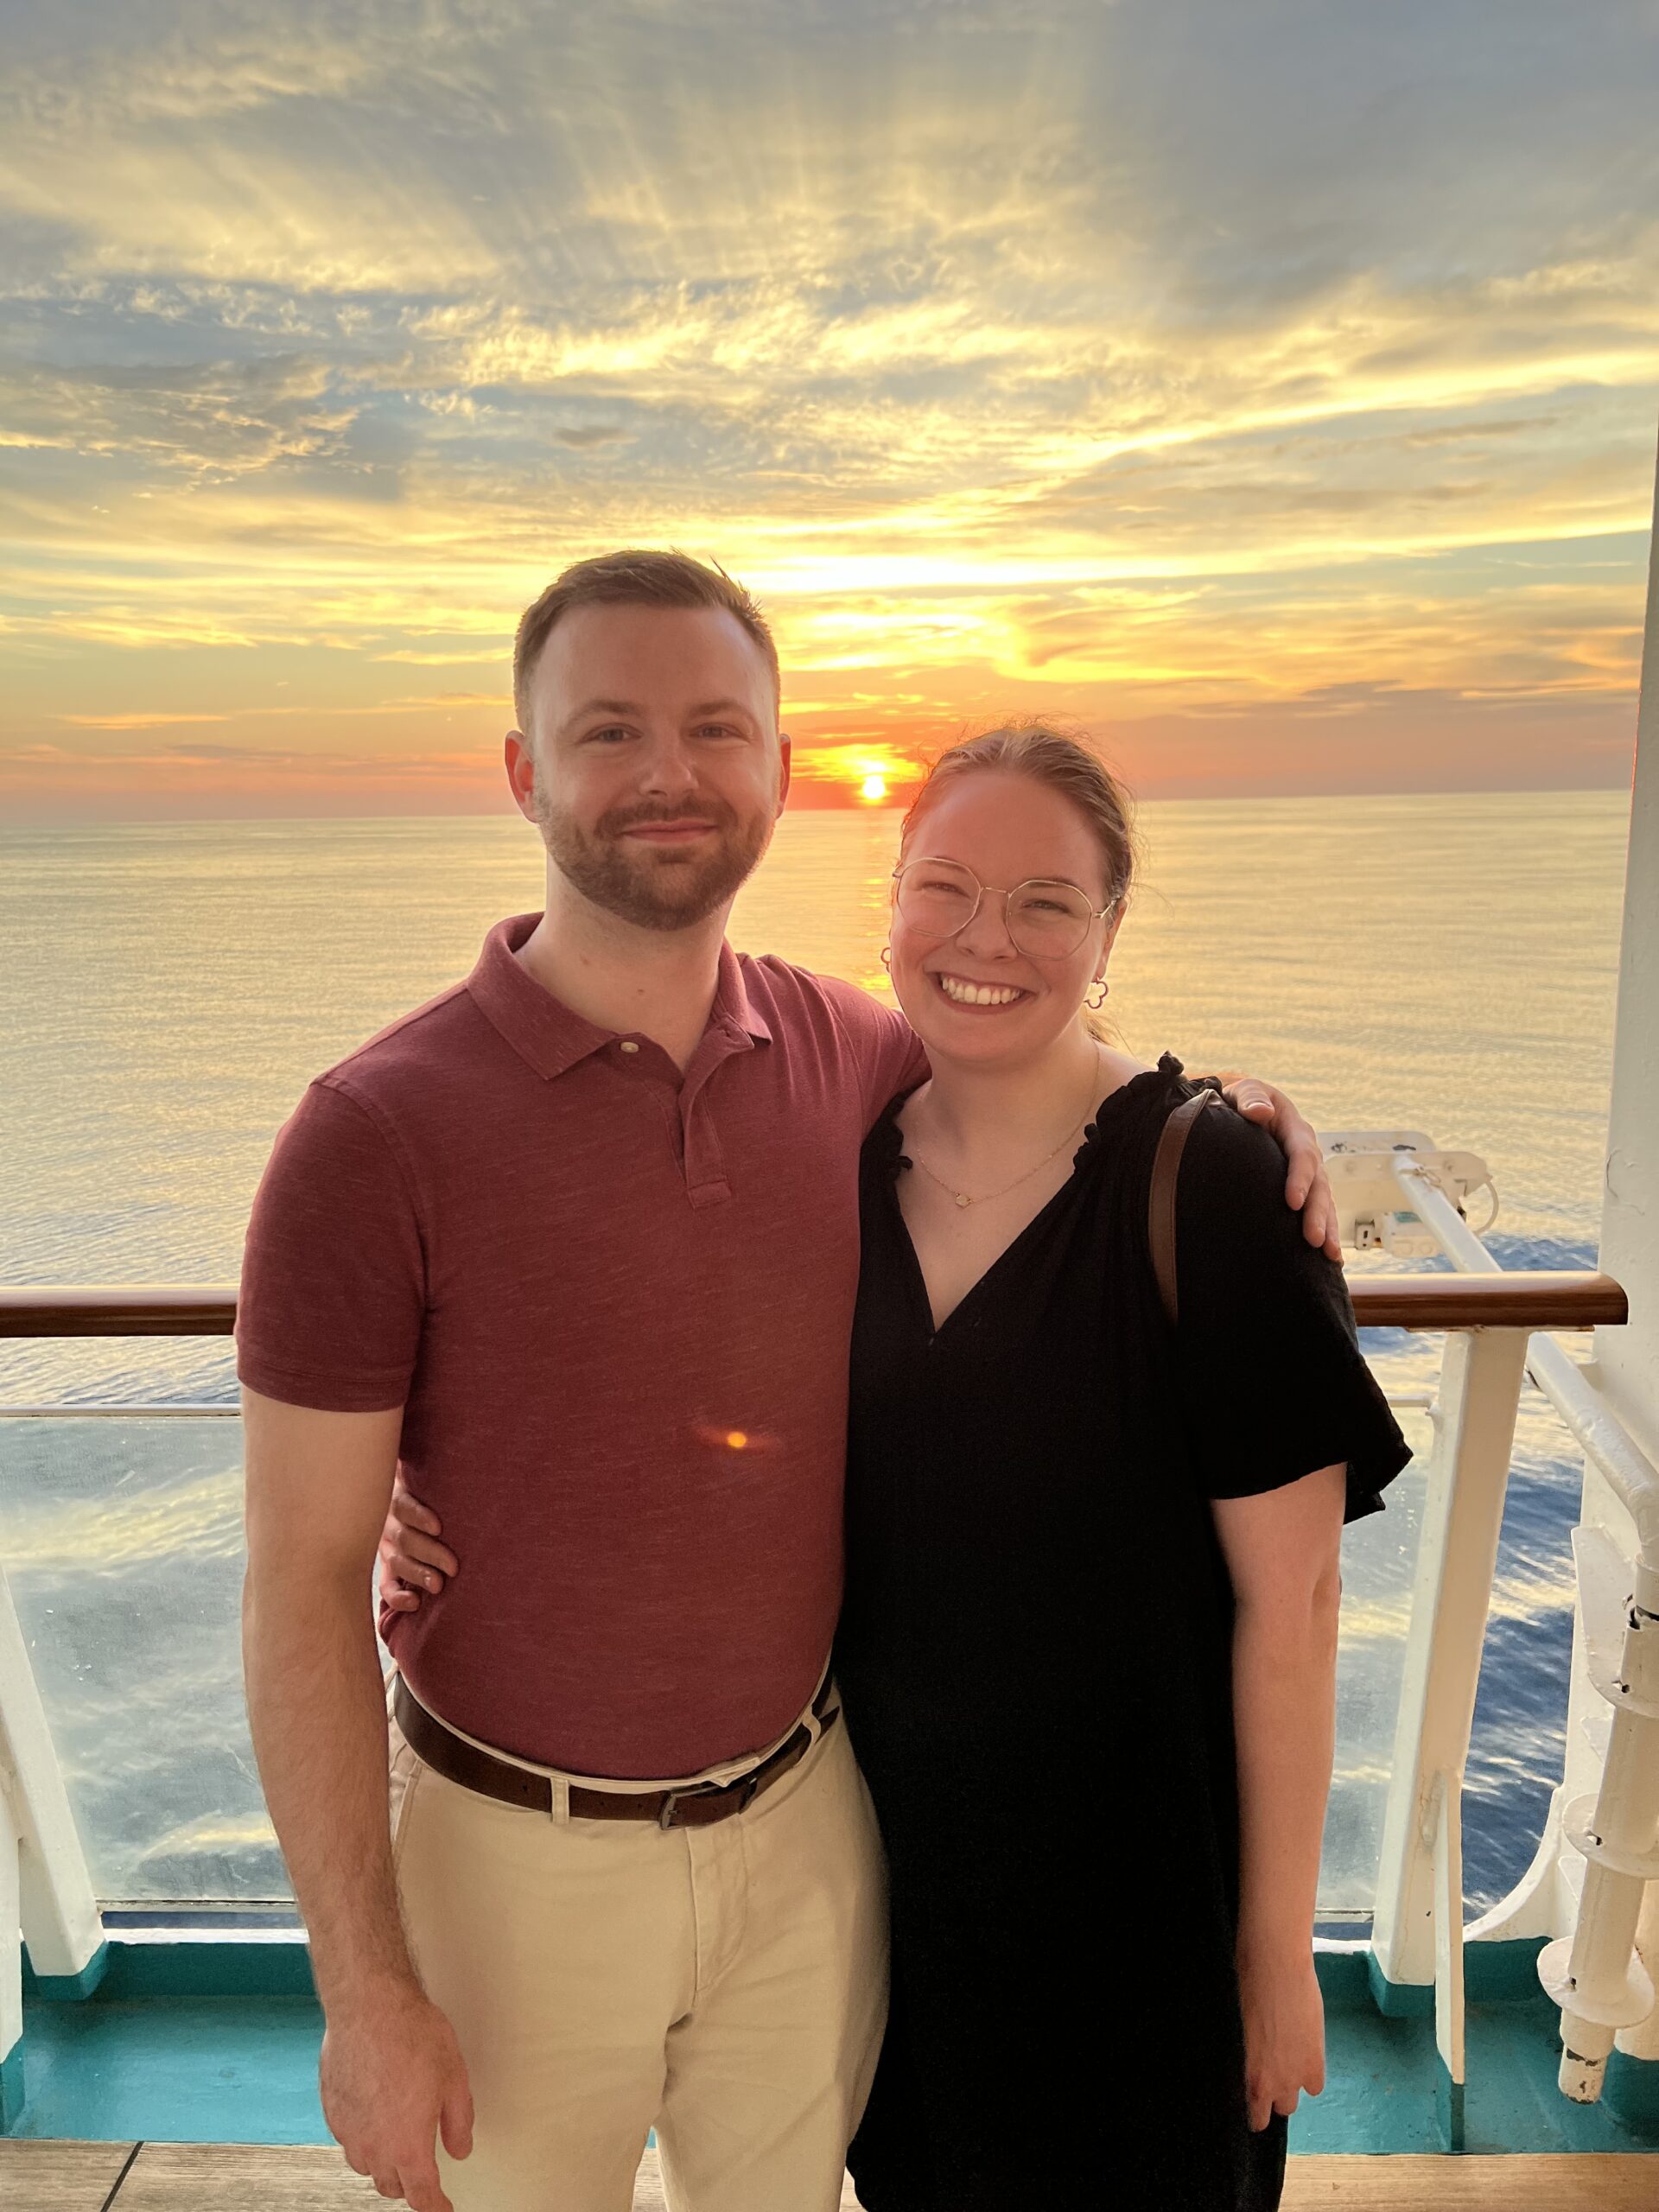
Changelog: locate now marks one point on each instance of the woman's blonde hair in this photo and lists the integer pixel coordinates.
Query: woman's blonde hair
(1066, 765)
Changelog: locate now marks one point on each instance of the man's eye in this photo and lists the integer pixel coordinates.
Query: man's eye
(718, 729)
(607, 735)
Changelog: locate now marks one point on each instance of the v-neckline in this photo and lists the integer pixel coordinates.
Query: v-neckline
(1169, 1068)
(919, 1273)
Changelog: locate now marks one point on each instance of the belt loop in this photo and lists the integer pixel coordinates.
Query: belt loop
(558, 1810)
(817, 1723)
(825, 1705)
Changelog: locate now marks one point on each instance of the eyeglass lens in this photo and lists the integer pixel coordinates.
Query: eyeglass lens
(1046, 920)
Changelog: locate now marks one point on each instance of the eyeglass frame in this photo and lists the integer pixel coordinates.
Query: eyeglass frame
(1063, 882)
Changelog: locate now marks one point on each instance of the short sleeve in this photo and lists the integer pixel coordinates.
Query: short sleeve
(1273, 1384)
(882, 1044)
(332, 1289)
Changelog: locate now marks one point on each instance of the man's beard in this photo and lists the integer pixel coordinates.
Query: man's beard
(654, 887)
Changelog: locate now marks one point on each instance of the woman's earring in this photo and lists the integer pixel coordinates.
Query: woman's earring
(887, 957)
(1095, 1003)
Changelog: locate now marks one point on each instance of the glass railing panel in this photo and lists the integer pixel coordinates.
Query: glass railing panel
(1379, 1560)
(1519, 1741)
(122, 1540)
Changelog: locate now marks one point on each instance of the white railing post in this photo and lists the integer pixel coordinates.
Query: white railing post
(46, 1892)
(1446, 1842)
(1457, 1553)
(11, 1975)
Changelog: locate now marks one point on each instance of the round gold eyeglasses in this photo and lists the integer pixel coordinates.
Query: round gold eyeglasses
(1046, 918)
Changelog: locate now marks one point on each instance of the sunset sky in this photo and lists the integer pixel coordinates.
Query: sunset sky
(1270, 386)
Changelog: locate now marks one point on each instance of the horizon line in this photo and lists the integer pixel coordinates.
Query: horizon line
(506, 814)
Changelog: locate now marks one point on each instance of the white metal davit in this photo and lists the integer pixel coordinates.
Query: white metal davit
(1600, 1971)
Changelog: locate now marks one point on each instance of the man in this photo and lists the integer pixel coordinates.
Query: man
(576, 1243)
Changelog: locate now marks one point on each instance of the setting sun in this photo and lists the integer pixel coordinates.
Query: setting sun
(873, 787)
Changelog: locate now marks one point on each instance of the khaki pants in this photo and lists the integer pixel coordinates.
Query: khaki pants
(725, 1984)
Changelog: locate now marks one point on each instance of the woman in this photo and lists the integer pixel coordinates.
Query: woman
(1088, 1649)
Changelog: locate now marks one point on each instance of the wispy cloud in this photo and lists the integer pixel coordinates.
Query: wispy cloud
(1180, 367)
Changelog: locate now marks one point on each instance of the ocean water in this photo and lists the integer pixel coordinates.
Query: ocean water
(1433, 962)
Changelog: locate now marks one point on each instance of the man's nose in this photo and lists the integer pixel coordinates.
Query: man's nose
(667, 769)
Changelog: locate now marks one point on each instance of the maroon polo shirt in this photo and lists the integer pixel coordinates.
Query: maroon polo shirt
(615, 1303)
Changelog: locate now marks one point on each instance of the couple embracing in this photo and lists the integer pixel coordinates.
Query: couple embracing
(852, 1564)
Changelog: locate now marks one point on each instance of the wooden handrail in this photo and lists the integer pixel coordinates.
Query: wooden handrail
(1540, 1298)
(118, 1309)
(1536, 1297)
(1527, 1299)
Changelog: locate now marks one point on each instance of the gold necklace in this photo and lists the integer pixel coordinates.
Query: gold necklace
(989, 1198)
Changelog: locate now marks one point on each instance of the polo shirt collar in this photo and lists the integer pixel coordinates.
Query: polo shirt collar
(732, 1004)
(544, 1032)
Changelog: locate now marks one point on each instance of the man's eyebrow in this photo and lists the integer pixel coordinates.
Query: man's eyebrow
(632, 707)
(723, 707)
(601, 707)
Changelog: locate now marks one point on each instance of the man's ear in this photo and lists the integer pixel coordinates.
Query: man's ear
(782, 778)
(519, 758)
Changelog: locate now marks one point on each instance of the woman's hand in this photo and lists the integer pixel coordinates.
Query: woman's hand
(1306, 1183)
(411, 1560)
(1284, 2035)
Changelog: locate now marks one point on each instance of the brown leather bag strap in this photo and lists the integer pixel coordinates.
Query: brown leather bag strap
(1161, 1204)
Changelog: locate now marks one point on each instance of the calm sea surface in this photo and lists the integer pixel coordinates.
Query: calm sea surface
(1444, 964)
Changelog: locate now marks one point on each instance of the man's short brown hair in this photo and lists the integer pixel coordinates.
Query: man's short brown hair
(633, 578)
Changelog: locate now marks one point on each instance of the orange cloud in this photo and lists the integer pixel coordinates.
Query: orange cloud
(1037, 389)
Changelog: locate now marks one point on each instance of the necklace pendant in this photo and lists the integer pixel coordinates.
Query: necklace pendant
(963, 1199)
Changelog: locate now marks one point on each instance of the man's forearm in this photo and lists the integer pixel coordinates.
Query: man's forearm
(1284, 1706)
(317, 1707)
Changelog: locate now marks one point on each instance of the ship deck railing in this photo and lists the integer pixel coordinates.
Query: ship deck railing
(1592, 1902)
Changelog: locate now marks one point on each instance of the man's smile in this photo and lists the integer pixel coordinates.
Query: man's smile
(670, 833)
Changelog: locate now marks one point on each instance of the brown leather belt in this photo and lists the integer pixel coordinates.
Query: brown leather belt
(698, 1805)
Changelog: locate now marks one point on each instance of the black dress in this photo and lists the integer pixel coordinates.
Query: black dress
(1034, 1661)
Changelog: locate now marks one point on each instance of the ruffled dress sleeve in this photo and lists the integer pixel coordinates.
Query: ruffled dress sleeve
(1273, 1382)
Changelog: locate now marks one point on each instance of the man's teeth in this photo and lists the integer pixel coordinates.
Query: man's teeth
(977, 993)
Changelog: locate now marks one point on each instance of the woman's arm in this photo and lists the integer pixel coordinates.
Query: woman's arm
(1307, 1187)
(411, 1560)
(1281, 1553)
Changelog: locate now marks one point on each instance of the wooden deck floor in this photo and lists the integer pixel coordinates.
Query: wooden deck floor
(219, 2178)
(228, 2177)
